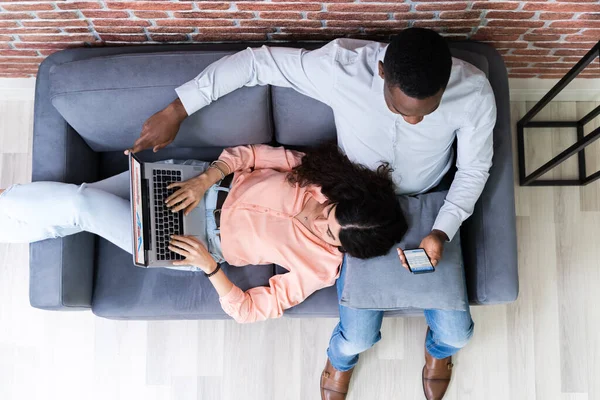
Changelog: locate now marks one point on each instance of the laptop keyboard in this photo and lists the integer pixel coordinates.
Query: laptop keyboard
(167, 222)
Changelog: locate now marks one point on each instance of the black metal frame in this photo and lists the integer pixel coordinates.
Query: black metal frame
(578, 147)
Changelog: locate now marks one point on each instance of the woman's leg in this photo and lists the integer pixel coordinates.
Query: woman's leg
(45, 210)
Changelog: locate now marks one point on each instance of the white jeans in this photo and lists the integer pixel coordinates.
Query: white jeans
(45, 210)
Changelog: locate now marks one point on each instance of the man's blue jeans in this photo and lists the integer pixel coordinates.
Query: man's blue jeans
(359, 330)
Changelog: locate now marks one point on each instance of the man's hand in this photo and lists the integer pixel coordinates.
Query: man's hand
(160, 129)
(433, 244)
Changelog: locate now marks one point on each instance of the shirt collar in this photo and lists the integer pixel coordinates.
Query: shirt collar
(377, 83)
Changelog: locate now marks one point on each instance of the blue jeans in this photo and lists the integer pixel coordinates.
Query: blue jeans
(359, 330)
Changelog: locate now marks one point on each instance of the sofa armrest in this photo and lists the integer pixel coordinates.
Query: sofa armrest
(489, 237)
(62, 269)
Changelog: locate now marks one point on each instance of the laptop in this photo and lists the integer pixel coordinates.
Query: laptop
(152, 222)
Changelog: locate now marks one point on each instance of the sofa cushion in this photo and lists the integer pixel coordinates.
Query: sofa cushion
(124, 291)
(382, 283)
(107, 99)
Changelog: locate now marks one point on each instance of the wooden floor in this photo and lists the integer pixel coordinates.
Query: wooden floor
(545, 346)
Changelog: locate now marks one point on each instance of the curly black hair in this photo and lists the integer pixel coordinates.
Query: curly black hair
(367, 208)
(418, 61)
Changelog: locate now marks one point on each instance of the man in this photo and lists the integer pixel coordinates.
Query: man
(404, 103)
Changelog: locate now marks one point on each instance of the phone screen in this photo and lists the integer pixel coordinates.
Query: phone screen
(418, 261)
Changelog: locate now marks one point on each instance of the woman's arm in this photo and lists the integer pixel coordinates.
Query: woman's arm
(260, 156)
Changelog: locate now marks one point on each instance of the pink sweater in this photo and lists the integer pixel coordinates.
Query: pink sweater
(258, 227)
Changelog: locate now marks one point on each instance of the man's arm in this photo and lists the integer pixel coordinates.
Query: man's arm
(474, 159)
(308, 72)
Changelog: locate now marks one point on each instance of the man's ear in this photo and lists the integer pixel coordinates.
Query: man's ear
(381, 73)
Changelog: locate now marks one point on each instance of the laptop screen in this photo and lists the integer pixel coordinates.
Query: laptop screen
(138, 220)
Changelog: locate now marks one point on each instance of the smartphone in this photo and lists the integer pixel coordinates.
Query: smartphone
(418, 261)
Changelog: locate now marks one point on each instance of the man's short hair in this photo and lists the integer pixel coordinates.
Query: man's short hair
(418, 61)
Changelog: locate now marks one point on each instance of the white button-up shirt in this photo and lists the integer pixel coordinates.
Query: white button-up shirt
(344, 75)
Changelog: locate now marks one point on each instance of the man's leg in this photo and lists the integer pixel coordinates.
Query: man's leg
(357, 331)
(448, 332)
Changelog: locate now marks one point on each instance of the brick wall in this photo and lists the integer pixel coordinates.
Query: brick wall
(538, 38)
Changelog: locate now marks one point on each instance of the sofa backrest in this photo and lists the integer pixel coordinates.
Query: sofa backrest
(107, 99)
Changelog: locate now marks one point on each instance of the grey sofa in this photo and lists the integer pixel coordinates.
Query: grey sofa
(90, 104)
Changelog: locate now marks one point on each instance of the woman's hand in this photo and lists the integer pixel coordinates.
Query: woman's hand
(189, 194)
(194, 252)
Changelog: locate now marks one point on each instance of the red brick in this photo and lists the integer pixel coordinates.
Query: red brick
(55, 45)
(444, 24)
(151, 14)
(559, 7)
(19, 60)
(531, 58)
(57, 38)
(8, 24)
(148, 5)
(212, 5)
(552, 16)
(77, 30)
(554, 31)
(18, 53)
(164, 29)
(19, 31)
(572, 60)
(106, 14)
(554, 65)
(46, 53)
(414, 16)
(541, 38)
(579, 53)
(311, 36)
(269, 23)
(441, 6)
(123, 38)
(280, 15)
(524, 76)
(486, 30)
(510, 45)
(582, 38)
(196, 22)
(28, 7)
(317, 31)
(552, 76)
(357, 7)
(15, 75)
(460, 15)
(80, 5)
(16, 16)
(591, 16)
(169, 38)
(381, 25)
(227, 37)
(348, 16)
(126, 29)
(539, 71)
(58, 15)
(6, 38)
(119, 22)
(492, 37)
(61, 24)
(5, 46)
(562, 45)
(531, 52)
(214, 14)
(509, 15)
(234, 29)
(516, 64)
(576, 24)
(515, 23)
(458, 30)
(261, 6)
(495, 5)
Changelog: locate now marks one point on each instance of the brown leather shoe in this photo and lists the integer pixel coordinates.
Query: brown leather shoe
(436, 376)
(334, 383)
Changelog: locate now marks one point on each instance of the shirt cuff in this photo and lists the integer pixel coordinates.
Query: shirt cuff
(235, 296)
(447, 223)
(190, 97)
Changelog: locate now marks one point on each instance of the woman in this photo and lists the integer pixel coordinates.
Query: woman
(300, 211)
